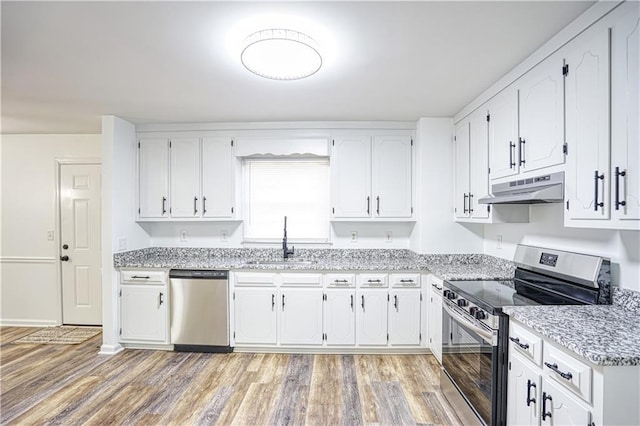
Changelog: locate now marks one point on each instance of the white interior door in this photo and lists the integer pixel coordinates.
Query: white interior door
(80, 234)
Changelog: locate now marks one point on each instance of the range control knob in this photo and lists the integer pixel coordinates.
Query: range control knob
(473, 310)
(446, 293)
(451, 295)
(462, 303)
(480, 314)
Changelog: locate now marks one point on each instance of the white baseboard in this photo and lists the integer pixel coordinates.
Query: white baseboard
(332, 351)
(28, 323)
(110, 349)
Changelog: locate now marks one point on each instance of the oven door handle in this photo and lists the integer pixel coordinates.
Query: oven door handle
(486, 335)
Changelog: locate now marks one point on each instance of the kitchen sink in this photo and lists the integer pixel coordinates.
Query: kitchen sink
(291, 262)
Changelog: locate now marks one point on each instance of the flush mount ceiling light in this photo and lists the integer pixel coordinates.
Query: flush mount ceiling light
(281, 54)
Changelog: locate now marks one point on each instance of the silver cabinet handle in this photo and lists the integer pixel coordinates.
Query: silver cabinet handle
(160, 299)
(395, 301)
(273, 301)
(283, 302)
(619, 203)
(521, 151)
(596, 178)
(464, 203)
(406, 281)
(512, 148)
(195, 206)
(555, 369)
(363, 302)
(368, 205)
(378, 205)
(204, 205)
(144, 277)
(164, 205)
(352, 302)
(470, 203)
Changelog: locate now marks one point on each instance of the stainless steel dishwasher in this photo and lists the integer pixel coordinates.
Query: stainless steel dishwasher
(199, 310)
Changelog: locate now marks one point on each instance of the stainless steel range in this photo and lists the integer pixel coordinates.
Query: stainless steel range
(475, 330)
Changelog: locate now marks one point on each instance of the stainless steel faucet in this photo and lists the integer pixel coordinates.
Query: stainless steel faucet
(286, 252)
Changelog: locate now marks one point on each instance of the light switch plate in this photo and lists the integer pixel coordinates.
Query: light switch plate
(388, 236)
(499, 244)
(50, 235)
(354, 236)
(122, 243)
(183, 236)
(224, 235)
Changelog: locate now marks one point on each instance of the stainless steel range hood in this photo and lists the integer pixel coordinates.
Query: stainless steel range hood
(542, 189)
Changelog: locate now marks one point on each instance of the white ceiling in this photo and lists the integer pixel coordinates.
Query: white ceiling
(64, 64)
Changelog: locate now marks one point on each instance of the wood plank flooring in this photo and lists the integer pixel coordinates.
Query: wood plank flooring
(72, 384)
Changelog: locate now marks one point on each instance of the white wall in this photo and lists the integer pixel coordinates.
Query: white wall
(118, 216)
(435, 231)
(30, 288)
(546, 229)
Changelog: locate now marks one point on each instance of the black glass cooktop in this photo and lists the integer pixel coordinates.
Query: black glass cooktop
(490, 295)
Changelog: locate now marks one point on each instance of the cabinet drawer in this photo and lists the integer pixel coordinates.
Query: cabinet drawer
(404, 280)
(372, 280)
(255, 279)
(143, 276)
(340, 280)
(526, 343)
(301, 279)
(568, 371)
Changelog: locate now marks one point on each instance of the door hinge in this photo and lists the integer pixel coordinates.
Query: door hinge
(421, 296)
(387, 337)
(120, 292)
(454, 139)
(567, 204)
(231, 210)
(430, 340)
(488, 208)
(411, 210)
(565, 70)
(169, 143)
(231, 142)
(138, 145)
(234, 295)
(451, 336)
(138, 211)
(324, 297)
(234, 334)
(333, 210)
(121, 331)
(489, 170)
(509, 365)
(420, 337)
(411, 141)
(169, 210)
(565, 148)
(488, 117)
(388, 298)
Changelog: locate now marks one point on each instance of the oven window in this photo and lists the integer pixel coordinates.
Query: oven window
(469, 361)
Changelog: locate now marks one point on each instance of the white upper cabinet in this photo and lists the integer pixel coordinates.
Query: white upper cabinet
(185, 177)
(587, 125)
(218, 178)
(461, 169)
(625, 116)
(371, 177)
(478, 164)
(153, 178)
(541, 108)
(503, 134)
(602, 182)
(351, 177)
(392, 176)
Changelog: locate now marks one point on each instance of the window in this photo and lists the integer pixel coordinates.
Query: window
(293, 187)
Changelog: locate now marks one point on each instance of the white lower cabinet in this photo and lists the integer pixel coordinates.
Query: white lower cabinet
(255, 316)
(340, 317)
(404, 317)
(301, 316)
(435, 316)
(371, 317)
(549, 385)
(144, 315)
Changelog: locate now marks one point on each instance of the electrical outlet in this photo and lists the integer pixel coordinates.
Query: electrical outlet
(388, 236)
(499, 244)
(50, 235)
(122, 243)
(354, 236)
(183, 236)
(224, 235)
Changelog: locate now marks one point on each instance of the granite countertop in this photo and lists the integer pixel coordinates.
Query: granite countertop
(446, 266)
(607, 335)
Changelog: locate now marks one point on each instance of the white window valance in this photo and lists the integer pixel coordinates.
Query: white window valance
(250, 147)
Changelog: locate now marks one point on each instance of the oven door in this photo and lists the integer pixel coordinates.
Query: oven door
(471, 359)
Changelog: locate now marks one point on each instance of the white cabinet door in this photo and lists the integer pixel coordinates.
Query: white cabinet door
(587, 179)
(503, 134)
(478, 163)
(218, 178)
(153, 169)
(340, 317)
(523, 386)
(435, 323)
(541, 102)
(351, 177)
(185, 177)
(143, 313)
(301, 316)
(461, 169)
(625, 114)
(391, 188)
(371, 317)
(563, 408)
(255, 316)
(404, 317)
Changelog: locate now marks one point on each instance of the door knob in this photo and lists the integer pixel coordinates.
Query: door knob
(64, 258)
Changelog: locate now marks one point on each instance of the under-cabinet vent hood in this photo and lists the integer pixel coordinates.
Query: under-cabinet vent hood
(542, 189)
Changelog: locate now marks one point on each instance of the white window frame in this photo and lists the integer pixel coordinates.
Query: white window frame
(291, 239)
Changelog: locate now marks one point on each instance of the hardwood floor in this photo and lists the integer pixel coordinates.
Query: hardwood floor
(72, 384)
